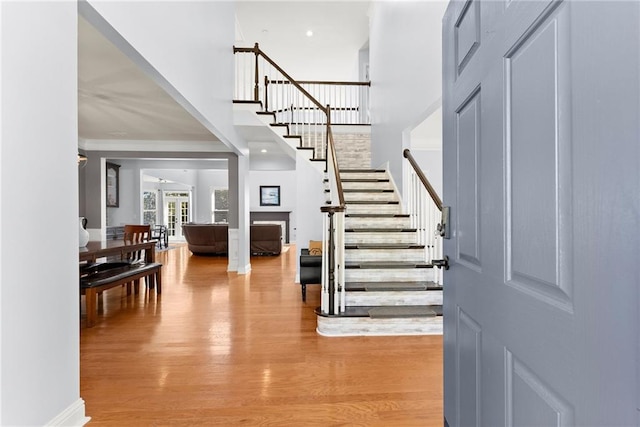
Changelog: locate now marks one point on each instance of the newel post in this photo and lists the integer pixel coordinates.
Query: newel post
(256, 89)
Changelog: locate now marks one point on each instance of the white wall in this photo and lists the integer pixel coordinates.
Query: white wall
(39, 294)
(201, 181)
(430, 162)
(128, 210)
(310, 190)
(405, 60)
(186, 47)
(207, 181)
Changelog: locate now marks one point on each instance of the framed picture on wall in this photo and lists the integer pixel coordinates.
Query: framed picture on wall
(113, 182)
(269, 195)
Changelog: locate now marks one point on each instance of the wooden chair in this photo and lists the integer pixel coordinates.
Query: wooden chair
(135, 233)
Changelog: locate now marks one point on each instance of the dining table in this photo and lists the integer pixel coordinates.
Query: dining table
(103, 248)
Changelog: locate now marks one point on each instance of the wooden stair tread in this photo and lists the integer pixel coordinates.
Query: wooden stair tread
(383, 246)
(392, 287)
(385, 264)
(240, 101)
(362, 170)
(372, 202)
(380, 230)
(380, 180)
(371, 215)
(368, 190)
(364, 311)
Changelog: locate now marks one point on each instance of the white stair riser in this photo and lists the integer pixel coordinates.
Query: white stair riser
(379, 209)
(363, 175)
(388, 274)
(362, 298)
(319, 166)
(372, 222)
(267, 119)
(358, 326)
(367, 186)
(380, 237)
(408, 255)
(386, 197)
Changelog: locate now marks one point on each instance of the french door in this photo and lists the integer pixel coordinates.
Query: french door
(177, 211)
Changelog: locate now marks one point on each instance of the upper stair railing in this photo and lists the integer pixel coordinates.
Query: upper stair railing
(424, 207)
(308, 117)
(302, 105)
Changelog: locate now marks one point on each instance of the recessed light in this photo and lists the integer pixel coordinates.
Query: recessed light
(309, 33)
(264, 150)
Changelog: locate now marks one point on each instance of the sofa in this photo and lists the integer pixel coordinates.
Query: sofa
(213, 239)
(207, 239)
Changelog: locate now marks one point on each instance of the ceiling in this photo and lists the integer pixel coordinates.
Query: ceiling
(118, 102)
(340, 29)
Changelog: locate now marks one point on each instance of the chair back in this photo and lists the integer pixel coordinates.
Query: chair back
(134, 233)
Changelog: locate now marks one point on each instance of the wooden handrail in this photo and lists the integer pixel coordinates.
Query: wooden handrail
(318, 82)
(331, 145)
(257, 51)
(434, 196)
(325, 109)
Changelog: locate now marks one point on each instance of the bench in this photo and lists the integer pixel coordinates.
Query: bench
(310, 271)
(96, 278)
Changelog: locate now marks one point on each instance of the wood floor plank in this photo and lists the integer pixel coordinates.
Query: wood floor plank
(218, 348)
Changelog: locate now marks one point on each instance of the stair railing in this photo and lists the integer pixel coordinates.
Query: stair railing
(306, 116)
(299, 104)
(424, 207)
(333, 289)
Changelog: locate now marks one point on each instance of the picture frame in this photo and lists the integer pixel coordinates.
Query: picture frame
(269, 195)
(113, 185)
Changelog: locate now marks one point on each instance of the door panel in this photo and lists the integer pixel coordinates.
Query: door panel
(468, 138)
(541, 156)
(529, 401)
(467, 34)
(468, 361)
(538, 161)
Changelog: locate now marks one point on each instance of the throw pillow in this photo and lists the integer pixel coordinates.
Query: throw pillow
(315, 247)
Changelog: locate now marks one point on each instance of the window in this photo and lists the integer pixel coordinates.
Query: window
(149, 210)
(220, 205)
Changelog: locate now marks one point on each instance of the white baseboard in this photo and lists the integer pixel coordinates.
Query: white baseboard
(245, 270)
(73, 416)
(232, 249)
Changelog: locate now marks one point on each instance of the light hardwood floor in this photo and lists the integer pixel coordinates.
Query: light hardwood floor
(219, 348)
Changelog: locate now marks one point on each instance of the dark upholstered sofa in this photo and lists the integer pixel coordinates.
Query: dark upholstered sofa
(209, 239)
(213, 239)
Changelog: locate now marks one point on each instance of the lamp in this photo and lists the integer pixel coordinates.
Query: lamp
(82, 160)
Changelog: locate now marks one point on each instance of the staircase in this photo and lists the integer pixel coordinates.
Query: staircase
(389, 286)
(381, 283)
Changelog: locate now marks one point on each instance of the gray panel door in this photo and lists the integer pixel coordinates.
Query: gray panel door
(541, 160)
